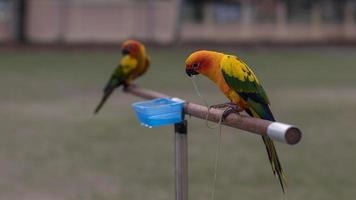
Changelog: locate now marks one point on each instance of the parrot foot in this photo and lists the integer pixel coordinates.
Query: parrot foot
(232, 108)
(226, 105)
(229, 109)
(126, 85)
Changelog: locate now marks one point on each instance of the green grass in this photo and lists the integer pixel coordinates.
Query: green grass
(52, 147)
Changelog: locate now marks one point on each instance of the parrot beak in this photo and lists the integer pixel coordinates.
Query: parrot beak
(125, 51)
(191, 72)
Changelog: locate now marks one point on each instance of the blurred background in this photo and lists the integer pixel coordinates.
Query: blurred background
(56, 56)
(165, 21)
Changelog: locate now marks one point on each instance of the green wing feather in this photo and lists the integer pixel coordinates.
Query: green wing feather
(119, 77)
(243, 81)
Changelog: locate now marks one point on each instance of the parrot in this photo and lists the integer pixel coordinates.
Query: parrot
(134, 63)
(240, 85)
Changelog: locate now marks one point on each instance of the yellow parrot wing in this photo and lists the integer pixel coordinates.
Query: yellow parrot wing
(142, 70)
(241, 78)
(243, 81)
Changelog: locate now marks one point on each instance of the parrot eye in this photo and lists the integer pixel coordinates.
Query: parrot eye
(195, 65)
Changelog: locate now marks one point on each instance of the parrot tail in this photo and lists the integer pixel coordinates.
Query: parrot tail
(112, 84)
(105, 97)
(265, 113)
(275, 164)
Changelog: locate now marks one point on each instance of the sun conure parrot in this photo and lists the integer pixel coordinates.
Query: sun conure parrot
(240, 85)
(134, 63)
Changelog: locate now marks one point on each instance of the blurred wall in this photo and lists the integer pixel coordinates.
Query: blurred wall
(274, 21)
(100, 21)
(164, 21)
(8, 20)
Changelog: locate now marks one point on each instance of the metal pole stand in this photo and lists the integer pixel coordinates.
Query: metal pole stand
(181, 154)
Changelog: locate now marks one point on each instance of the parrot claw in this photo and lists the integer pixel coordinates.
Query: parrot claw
(229, 111)
(227, 105)
(126, 85)
(229, 108)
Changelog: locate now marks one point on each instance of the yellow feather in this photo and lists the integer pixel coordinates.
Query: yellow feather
(128, 63)
(233, 66)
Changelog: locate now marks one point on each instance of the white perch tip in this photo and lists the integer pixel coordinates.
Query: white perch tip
(284, 133)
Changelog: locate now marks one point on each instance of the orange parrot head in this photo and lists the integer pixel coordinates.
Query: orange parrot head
(203, 62)
(132, 48)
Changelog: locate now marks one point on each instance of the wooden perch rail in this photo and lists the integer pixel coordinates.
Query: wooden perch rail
(277, 131)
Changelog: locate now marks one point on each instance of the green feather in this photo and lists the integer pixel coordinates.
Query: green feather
(242, 80)
(118, 77)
